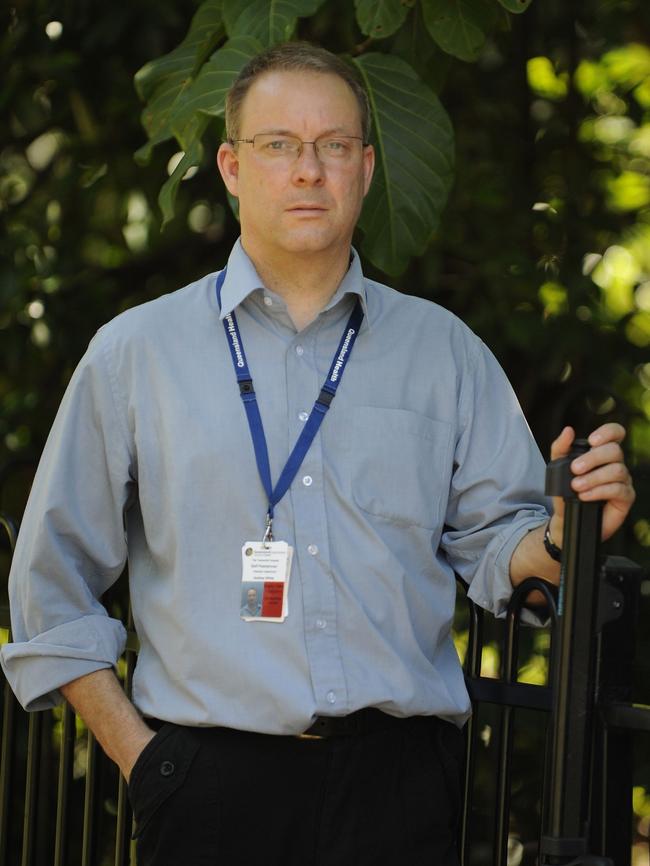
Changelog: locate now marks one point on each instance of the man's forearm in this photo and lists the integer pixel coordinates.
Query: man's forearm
(100, 701)
(530, 558)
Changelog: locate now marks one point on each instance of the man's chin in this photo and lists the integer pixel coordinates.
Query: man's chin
(308, 241)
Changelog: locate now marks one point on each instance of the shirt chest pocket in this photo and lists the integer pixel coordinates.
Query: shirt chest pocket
(401, 465)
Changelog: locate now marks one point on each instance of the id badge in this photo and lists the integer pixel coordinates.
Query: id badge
(266, 569)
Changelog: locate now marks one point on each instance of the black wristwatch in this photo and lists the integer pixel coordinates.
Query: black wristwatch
(552, 549)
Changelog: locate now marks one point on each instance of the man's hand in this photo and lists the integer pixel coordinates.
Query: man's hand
(600, 475)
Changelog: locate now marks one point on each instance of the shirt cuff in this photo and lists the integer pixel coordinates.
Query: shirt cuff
(491, 586)
(35, 669)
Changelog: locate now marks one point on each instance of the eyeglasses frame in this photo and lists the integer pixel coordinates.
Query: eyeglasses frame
(234, 141)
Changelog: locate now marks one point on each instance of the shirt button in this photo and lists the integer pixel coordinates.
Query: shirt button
(167, 768)
(307, 480)
(331, 698)
(299, 350)
(268, 301)
(312, 549)
(320, 623)
(303, 415)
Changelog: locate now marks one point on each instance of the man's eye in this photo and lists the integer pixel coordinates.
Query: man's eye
(336, 146)
(279, 144)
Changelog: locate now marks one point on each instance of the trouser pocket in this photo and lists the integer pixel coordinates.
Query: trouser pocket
(159, 772)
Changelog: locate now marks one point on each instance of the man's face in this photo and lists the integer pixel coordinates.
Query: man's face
(305, 206)
(251, 595)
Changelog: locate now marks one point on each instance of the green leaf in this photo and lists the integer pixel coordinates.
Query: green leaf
(207, 93)
(164, 82)
(414, 44)
(459, 26)
(413, 140)
(191, 52)
(168, 191)
(515, 5)
(269, 21)
(381, 18)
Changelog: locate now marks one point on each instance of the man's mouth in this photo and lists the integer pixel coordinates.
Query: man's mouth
(306, 207)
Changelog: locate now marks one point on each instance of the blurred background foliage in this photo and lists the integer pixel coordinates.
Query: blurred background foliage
(543, 246)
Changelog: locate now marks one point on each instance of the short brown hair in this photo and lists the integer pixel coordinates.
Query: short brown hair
(293, 57)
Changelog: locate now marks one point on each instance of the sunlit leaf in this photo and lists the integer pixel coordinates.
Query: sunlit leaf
(207, 94)
(628, 65)
(637, 330)
(591, 77)
(269, 21)
(381, 18)
(460, 26)
(628, 191)
(414, 144)
(543, 80)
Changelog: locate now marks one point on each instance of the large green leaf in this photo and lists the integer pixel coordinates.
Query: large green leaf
(269, 21)
(515, 5)
(414, 44)
(192, 156)
(205, 98)
(163, 82)
(413, 140)
(459, 26)
(194, 49)
(381, 18)
(207, 93)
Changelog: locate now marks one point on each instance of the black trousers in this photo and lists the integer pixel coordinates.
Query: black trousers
(219, 797)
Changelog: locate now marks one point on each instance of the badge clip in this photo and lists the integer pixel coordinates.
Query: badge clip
(268, 534)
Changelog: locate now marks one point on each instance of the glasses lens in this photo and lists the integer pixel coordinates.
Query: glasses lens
(337, 149)
(277, 146)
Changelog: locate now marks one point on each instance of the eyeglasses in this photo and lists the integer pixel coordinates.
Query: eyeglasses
(338, 149)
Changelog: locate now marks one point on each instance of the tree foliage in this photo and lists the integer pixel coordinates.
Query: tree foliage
(542, 246)
(411, 130)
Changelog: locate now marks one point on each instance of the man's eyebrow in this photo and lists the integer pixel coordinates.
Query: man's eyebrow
(334, 130)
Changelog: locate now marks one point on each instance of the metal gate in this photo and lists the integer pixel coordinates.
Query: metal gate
(63, 803)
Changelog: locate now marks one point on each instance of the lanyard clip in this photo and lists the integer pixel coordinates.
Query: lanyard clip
(268, 533)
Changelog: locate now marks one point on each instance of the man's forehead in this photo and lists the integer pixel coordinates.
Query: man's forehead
(285, 98)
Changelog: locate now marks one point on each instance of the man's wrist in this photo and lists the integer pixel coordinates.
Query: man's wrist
(132, 750)
(552, 535)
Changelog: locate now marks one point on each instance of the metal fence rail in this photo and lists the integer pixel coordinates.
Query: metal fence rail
(48, 816)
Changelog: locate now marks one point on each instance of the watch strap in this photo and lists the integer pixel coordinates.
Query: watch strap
(551, 548)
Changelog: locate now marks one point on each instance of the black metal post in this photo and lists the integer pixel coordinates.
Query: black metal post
(566, 823)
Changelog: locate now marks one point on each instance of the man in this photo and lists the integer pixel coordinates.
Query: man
(251, 607)
(411, 460)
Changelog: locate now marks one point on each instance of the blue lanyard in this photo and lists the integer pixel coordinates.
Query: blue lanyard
(316, 416)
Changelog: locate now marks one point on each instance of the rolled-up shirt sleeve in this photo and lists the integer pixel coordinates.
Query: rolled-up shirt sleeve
(496, 489)
(71, 546)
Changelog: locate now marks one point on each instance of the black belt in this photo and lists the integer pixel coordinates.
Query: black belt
(366, 721)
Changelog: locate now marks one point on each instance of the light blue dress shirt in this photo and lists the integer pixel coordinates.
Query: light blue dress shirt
(423, 466)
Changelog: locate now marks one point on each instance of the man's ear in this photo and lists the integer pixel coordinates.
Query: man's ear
(368, 167)
(228, 164)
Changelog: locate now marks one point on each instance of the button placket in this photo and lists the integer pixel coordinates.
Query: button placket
(310, 520)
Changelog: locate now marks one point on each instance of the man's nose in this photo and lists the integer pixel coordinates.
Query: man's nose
(308, 167)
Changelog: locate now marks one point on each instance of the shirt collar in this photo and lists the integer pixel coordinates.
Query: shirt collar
(242, 279)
